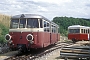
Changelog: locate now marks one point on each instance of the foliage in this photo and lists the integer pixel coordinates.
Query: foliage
(4, 31)
(64, 22)
(4, 27)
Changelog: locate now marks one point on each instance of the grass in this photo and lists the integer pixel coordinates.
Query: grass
(4, 26)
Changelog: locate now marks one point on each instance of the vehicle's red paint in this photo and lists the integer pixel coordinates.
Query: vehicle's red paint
(78, 36)
(19, 38)
(43, 40)
(54, 38)
(40, 39)
(58, 37)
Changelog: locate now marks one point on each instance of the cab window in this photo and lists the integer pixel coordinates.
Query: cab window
(22, 23)
(14, 23)
(74, 30)
(32, 23)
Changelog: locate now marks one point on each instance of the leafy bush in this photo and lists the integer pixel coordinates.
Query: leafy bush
(4, 30)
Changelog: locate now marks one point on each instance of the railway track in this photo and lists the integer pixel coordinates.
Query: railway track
(34, 56)
(76, 51)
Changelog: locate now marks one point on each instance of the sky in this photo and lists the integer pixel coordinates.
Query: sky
(47, 8)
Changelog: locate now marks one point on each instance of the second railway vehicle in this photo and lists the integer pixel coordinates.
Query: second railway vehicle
(31, 31)
(78, 33)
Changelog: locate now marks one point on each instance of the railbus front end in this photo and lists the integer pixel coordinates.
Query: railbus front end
(78, 33)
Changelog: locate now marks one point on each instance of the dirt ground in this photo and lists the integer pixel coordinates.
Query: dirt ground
(7, 55)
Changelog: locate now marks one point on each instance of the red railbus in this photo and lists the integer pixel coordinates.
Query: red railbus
(31, 31)
(78, 33)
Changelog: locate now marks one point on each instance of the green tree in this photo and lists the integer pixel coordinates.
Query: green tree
(64, 22)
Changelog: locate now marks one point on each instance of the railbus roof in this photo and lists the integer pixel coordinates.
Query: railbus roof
(78, 27)
(32, 16)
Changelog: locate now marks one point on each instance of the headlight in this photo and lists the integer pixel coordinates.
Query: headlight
(7, 37)
(29, 37)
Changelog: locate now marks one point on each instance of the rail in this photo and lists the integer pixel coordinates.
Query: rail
(35, 56)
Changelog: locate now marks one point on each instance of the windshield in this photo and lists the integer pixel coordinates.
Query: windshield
(24, 23)
(32, 23)
(74, 30)
(14, 23)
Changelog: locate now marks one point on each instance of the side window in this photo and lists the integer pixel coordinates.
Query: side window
(45, 23)
(88, 30)
(41, 26)
(46, 26)
(56, 29)
(81, 30)
(53, 29)
(84, 30)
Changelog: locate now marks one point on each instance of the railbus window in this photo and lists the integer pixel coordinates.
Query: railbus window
(77, 30)
(53, 29)
(45, 23)
(56, 29)
(32, 23)
(84, 31)
(81, 30)
(14, 23)
(22, 23)
(48, 27)
(70, 30)
(41, 26)
(74, 30)
(88, 30)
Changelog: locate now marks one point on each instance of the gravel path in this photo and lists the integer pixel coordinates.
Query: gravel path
(7, 55)
(51, 56)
